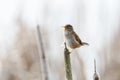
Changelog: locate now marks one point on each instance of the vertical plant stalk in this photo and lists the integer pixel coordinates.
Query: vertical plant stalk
(95, 76)
(67, 63)
(43, 54)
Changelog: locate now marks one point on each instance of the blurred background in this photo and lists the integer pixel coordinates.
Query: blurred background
(95, 21)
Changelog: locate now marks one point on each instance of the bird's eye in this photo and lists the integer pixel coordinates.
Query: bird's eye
(69, 27)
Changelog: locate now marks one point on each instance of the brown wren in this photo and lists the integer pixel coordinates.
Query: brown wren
(71, 38)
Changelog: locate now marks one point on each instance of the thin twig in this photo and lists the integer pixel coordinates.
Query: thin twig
(67, 63)
(43, 53)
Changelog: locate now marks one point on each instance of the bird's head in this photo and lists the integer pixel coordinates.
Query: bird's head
(68, 27)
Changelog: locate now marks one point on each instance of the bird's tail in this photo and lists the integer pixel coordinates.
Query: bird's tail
(84, 43)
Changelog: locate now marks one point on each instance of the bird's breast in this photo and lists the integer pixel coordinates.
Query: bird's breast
(71, 41)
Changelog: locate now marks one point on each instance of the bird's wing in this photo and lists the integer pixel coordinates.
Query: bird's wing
(77, 38)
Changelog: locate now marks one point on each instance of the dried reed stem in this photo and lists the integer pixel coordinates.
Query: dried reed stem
(67, 63)
(95, 76)
(43, 54)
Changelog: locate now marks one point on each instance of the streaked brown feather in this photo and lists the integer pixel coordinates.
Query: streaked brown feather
(77, 38)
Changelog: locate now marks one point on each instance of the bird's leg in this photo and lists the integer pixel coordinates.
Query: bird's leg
(66, 49)
(71, 50)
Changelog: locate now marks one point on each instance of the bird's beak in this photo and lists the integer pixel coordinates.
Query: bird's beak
(64, 28)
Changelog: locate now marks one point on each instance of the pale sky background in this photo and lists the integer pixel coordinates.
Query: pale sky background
(96, 21)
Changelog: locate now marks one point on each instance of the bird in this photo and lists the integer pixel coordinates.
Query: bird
(72, 40)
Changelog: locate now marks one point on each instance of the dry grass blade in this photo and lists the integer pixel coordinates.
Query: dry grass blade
(43, 54)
